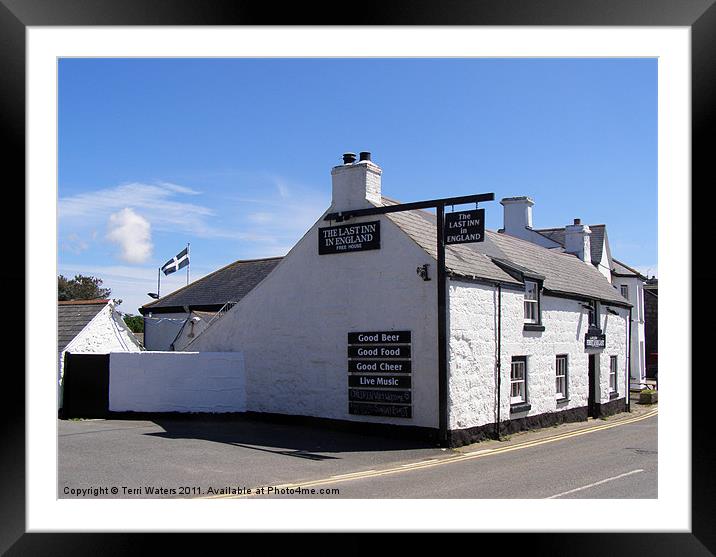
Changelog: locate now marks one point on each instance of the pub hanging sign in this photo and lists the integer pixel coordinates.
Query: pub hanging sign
(464, 227)
(346, 238)
(594, 341)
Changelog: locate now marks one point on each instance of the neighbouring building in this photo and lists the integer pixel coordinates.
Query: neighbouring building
(651, 325)
(90, 326)
(345, 327)
(172, 321)
(590, 243)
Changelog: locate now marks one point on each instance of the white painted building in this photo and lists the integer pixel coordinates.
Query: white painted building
(90, 327)
(590, 243)
(519, 316)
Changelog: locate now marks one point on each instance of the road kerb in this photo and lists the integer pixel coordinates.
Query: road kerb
(421, 465)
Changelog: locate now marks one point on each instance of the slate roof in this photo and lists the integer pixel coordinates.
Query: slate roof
(73, 316)
(624, 270)
(562, 273)
(596, 240)
(228, 284)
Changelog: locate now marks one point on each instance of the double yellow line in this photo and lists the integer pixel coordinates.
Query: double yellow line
(422, 465)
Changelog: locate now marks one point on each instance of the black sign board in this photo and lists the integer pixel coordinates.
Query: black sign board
(379, 352)
(464, 227)
(347, 238)
(369, 395)
(380, 337)
(379, 366)
(381, 381)
(386, 410)
(595, 341)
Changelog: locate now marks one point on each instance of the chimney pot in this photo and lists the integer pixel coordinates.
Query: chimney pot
(356, 186)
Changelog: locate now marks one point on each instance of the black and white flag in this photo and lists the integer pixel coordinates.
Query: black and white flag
(179, 261)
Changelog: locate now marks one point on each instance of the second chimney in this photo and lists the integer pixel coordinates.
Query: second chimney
(356, 185)
(577, 240)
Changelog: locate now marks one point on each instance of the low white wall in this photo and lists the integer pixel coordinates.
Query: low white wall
(177, 382)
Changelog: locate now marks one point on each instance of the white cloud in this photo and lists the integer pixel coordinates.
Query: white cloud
(132, 233)
(157, 202)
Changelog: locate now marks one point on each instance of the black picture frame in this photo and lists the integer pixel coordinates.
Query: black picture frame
(16, 15)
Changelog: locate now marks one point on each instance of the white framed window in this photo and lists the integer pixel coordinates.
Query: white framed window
(561, 376)
(518, 380)
(624, 289)
(613, 363)
(531, 302)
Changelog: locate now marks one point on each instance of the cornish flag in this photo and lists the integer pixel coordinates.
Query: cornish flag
(177, 262)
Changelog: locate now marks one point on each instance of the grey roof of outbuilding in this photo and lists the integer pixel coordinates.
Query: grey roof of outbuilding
(228, 284)
(73, 316)
(622, 269)
(596, 240)
(563, 273)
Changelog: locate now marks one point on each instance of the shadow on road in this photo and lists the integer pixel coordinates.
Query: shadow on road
(295, 440)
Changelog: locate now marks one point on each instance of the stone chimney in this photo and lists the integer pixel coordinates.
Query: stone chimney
(577, 240)
(356, 184)
(517, 216)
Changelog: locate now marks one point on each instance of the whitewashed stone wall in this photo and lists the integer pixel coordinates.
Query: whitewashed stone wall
(473, 353)
(177, 382)
(293, 327)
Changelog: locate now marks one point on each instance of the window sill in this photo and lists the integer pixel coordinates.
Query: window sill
(520, 407)
(533, 327)
(562, 400)
(612, 396)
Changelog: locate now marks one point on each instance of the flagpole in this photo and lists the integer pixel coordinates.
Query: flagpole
(159, 277)
(189, 265)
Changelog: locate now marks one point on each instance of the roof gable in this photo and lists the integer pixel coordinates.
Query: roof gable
(73, 316)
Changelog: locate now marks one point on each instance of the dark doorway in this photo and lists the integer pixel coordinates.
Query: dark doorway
(592, 402)
(86, 386)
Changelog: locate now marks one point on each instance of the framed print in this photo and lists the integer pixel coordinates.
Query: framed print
(36, 35)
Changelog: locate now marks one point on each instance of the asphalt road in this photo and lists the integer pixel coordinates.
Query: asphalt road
(185, 459)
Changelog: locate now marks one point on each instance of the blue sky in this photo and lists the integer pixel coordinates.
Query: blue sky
(234, 155)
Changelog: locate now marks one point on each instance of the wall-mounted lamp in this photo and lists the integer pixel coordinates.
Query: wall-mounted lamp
(585, 306)
(612, 311)
(422, 271)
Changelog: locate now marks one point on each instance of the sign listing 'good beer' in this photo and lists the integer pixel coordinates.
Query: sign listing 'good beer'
(385, 337)
(346, 238)
(595, 341)
(465, 227)
(379, 369)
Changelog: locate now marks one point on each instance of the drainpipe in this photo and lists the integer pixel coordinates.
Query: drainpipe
(499, 356)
